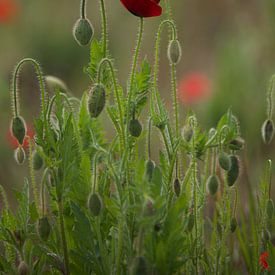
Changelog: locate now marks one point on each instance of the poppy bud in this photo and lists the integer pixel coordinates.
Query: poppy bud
(135, 128)
(95, 204)
(19, 236)
(266, 235)
(83, 31)
(157, 227)
(212, 184)
(224, 161)
(236, 144)
(187, 133)
(43, 228)
(19, 155)
(270, 208)
(37, 161)
(18, 129)
(233, 224)
(177, 187)
(150, 166)
(23, 268)
(267, 131)
(174, 51)
(149, 210)
(190, 222)
(233, 173)
(97, 100)
(139, 266)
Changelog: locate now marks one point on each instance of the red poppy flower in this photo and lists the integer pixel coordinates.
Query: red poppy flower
(13, 141)
(193, 87)
(263, 261)
(8, 10)
(143, 8)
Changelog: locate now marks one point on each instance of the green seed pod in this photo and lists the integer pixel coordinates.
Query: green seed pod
(224, 161)
(268, 131)
(139, 266)
(43, 228)
(187, 133)
(177, 187)
(19, 155)
(212, 184)
(37, 161)
(233, 173)
(83, 31)
(190, 222)
(23, 268)
(97, 100)
(270, 208)
(95, 204)
(135, 128)
(174, 51)
(236, 144)
(266, 235)
(150, 166)
(233, 224)
(18, 129)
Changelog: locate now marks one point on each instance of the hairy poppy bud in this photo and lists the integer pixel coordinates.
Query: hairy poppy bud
(23, 268)
(97, 100)
(83, 31)
(187, 133)
(19, 155)
(135, 128)
(37, 161)
(174, 51)
(18, 129)
(190, 222)
(150, 166)
(233, 173)
(43, 228)
(270, 208)
(139, 266)
(266, 235)
(236, 144)
(233, 224)
(212, 184)
(267, 131)
(224, 161)
(95, 204)
(177, 187)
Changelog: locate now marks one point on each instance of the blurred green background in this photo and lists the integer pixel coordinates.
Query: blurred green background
(231, 43)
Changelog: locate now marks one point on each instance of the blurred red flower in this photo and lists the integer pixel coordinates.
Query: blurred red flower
(143, 8)
(263, 261)
(8, 10)
(193, 87)
(13, 141)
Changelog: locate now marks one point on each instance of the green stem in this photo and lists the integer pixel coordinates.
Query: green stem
(149, 137)
(63, 237)
(175, 97)
(270, 97)
(83, 9)
(4, 197)
(104, 27)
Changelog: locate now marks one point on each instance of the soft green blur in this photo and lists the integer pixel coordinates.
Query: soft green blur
(231, 42)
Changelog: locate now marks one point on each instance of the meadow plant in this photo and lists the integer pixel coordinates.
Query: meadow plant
(96, 206)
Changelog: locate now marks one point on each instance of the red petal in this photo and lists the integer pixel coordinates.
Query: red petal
(143, 8)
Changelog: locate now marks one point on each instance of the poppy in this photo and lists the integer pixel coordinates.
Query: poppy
(8, 10)
(263, 261)
(143, 8)
(193, 87)
(13, 141)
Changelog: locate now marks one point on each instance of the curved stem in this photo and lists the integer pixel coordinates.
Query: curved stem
(83, 9)
(15, 102)
(104, 27)
(270, 97)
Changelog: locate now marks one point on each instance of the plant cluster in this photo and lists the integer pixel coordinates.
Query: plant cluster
(111, 207)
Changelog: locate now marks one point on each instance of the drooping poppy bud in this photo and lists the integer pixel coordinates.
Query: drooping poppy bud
(23, 268)
(190, 222)
(43, 228)
(233, 173)
(177, 187)
(83, 31)
(233, 224)
(19, 155)
(18, 129)
(174, 51)
(95, 204)
(267, 131)
(224, 161)
(150, 166)
(97, 100)
(212, 184)
(187, 133)
(135, 127)
(236, 144)
(266, 235)
(37, 161)
(270, 208)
